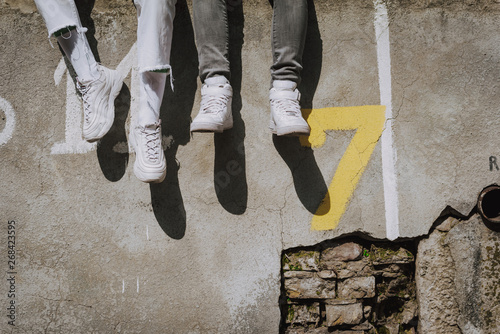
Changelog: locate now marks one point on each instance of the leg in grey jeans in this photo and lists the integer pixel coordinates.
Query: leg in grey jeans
(211, 31)
(288, 37)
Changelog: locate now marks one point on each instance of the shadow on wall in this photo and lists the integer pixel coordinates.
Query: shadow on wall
(230, 166)
(175, 112)
(309, 183)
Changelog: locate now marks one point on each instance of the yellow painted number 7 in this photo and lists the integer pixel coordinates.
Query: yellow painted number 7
(368, 121)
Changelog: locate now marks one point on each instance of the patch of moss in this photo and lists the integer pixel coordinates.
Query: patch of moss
(311, 308)
(383, 330)
(295, 268)
(387, 253)
(291, 313)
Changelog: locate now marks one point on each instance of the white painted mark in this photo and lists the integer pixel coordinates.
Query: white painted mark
(123, 286)
(10, 121)
(389, 157)
(137, 284)
(147, 232)
(59, 72)
(73, 142)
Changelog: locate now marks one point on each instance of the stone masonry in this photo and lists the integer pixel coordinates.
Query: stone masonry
(349, 286)
(457, 278)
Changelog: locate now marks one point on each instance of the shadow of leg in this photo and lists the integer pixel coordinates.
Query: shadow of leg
(167, 202)
(84, 10)
(307, 178)
(312, 59)
(230, 165)
(112, 149)
(175, 112)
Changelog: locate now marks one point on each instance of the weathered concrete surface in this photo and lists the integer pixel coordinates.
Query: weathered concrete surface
(457, 279)
(200, 253)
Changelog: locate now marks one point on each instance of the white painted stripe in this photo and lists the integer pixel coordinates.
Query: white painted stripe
(73, 142)
(123, 286)
(388, 152)
(137, 284)
(59, 72)
(10, 121)
(147, 232)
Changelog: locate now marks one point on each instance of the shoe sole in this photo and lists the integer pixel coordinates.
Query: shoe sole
(210, 127)
(110, 116)
(293, 130)
(142, 176)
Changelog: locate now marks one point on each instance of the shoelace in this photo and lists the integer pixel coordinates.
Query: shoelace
(85, 90)
(153, 142)
(288, 107)
(215, 104)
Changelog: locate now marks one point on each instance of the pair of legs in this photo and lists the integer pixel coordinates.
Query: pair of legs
(289, 28)
(99, 86)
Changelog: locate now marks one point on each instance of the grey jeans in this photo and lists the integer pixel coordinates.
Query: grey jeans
(289, 28)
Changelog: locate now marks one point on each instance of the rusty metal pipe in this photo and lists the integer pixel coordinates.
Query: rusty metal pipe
(488, 204)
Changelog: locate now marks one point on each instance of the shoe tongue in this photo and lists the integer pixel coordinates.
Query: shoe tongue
(151, 127)
(284, 84)
(217, 80)
(85, 81)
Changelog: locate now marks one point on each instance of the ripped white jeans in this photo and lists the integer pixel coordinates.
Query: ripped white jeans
(154, 28)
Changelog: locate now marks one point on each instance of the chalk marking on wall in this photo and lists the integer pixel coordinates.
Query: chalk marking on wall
(73, 142)
(389, 156)
(59, 72)
(134, 93)
(368, 121)
(10, 121)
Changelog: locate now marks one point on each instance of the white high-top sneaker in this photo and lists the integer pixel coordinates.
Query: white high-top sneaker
(286, 117)
(99, 103)
(150, 164)
(215, 110)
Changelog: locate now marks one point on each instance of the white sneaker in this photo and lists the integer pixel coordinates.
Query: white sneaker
(99, 103)
(150, 164)
(286, 117)
(215, 110)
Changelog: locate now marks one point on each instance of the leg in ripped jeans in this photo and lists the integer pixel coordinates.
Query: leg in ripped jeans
(154, 42)
(98, 85)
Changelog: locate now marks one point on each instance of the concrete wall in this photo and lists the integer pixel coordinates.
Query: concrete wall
(406, 92)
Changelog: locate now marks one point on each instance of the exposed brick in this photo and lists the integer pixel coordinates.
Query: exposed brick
(350, 314)
(299, 274)
(303, 314)
(308, 288)
(301, 261)
(349, 269)
(327, 274)
(344, 252)
(357, 287)
(388, 254)
(301, 330)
